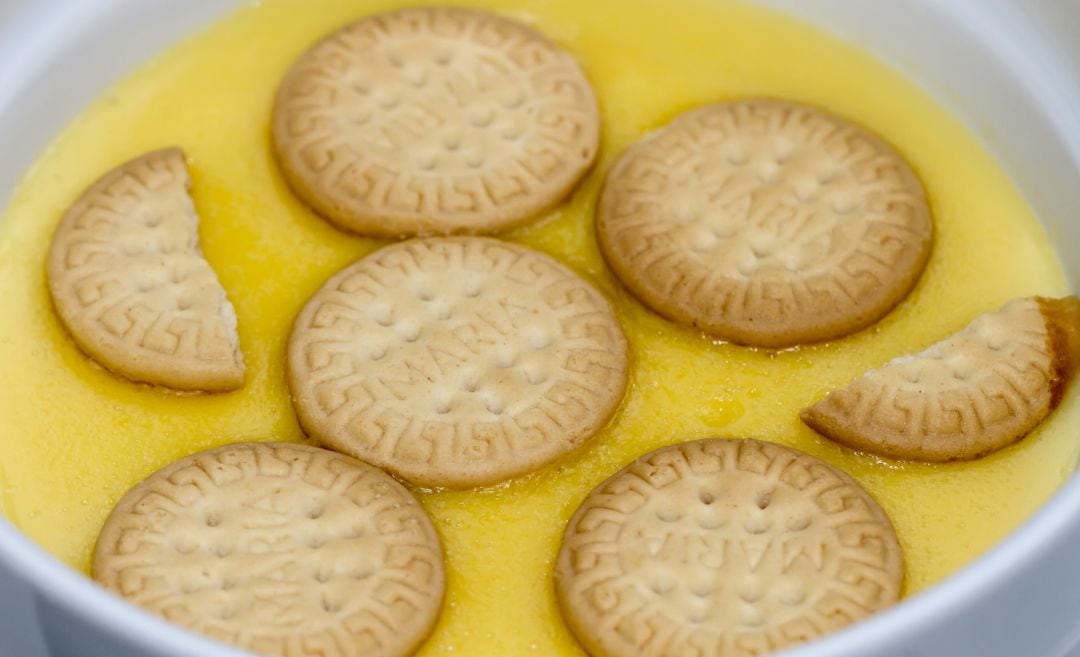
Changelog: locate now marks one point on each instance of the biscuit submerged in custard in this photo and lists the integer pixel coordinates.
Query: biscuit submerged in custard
(131, 285)
(973, 393)
(765, 223)
(280, 549)
(724, 547)
(435, 120)
(456, 361)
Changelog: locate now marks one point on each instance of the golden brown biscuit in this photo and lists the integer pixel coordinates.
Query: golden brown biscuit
(975, 392)
(723, 547)
(765, 223)
(132, 287)
(435, 120)
(456, 362)
(280, 549)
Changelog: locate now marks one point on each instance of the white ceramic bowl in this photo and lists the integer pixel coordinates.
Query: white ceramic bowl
(1010, 69)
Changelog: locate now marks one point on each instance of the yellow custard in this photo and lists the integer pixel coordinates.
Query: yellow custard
(76, 438)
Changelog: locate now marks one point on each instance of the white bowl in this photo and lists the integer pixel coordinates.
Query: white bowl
(1011, 69)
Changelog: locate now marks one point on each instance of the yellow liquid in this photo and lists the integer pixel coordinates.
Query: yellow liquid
(76, 438)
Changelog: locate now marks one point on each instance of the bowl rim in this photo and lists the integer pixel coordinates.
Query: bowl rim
(1049, 526)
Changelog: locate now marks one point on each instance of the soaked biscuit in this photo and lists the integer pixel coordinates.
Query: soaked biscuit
(973, 393)
(765, 223)
(435, 120)
(723, 547)
(280, 549)
(456, 362)
(132, 287)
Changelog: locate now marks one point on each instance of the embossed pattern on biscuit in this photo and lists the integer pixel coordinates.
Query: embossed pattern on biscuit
(973, 393)
(723, 547)
(285, 550)
(130, 283)
(456, 362)
(435, 120)
(765, 223)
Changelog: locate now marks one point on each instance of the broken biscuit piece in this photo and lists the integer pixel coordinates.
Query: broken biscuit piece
(973, 393)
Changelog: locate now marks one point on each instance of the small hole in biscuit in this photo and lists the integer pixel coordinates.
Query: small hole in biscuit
(378, 353)
(792, 595)
(183, 304)
(222, 551)
(362, 574)
(316, 543)
(443, 408)
(482, 118)
(769, 174)
(843, 205)
(361, 88)
(702, 589)
(472, 290)
(387, 101)
(511, 132)
(756, 526)
(798, 523)
(213, 519)
(539, 340)
(416, 76)
(153, 221)
(475, 160)
(411, 334)
(764, 499)
(661, 588)
(425, 295)
(494, 405)
(315, 513)
(706, 497)
(228, 584)
(749, 592)
(331, 606)
(668, 515)
(513, 99)
(395, 59)
(322, 576)
(144, 285)
(452, 143)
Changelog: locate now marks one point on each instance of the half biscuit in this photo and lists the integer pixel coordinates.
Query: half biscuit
(973, 393)
(131, 285)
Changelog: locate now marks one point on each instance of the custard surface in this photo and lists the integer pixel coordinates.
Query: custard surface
(76, 438)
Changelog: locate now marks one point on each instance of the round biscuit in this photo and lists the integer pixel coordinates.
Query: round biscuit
(131, 285)
(435, 120)
(723, 547)
(765, 223)
(973, 393)
(456, 361)
(279, 549)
